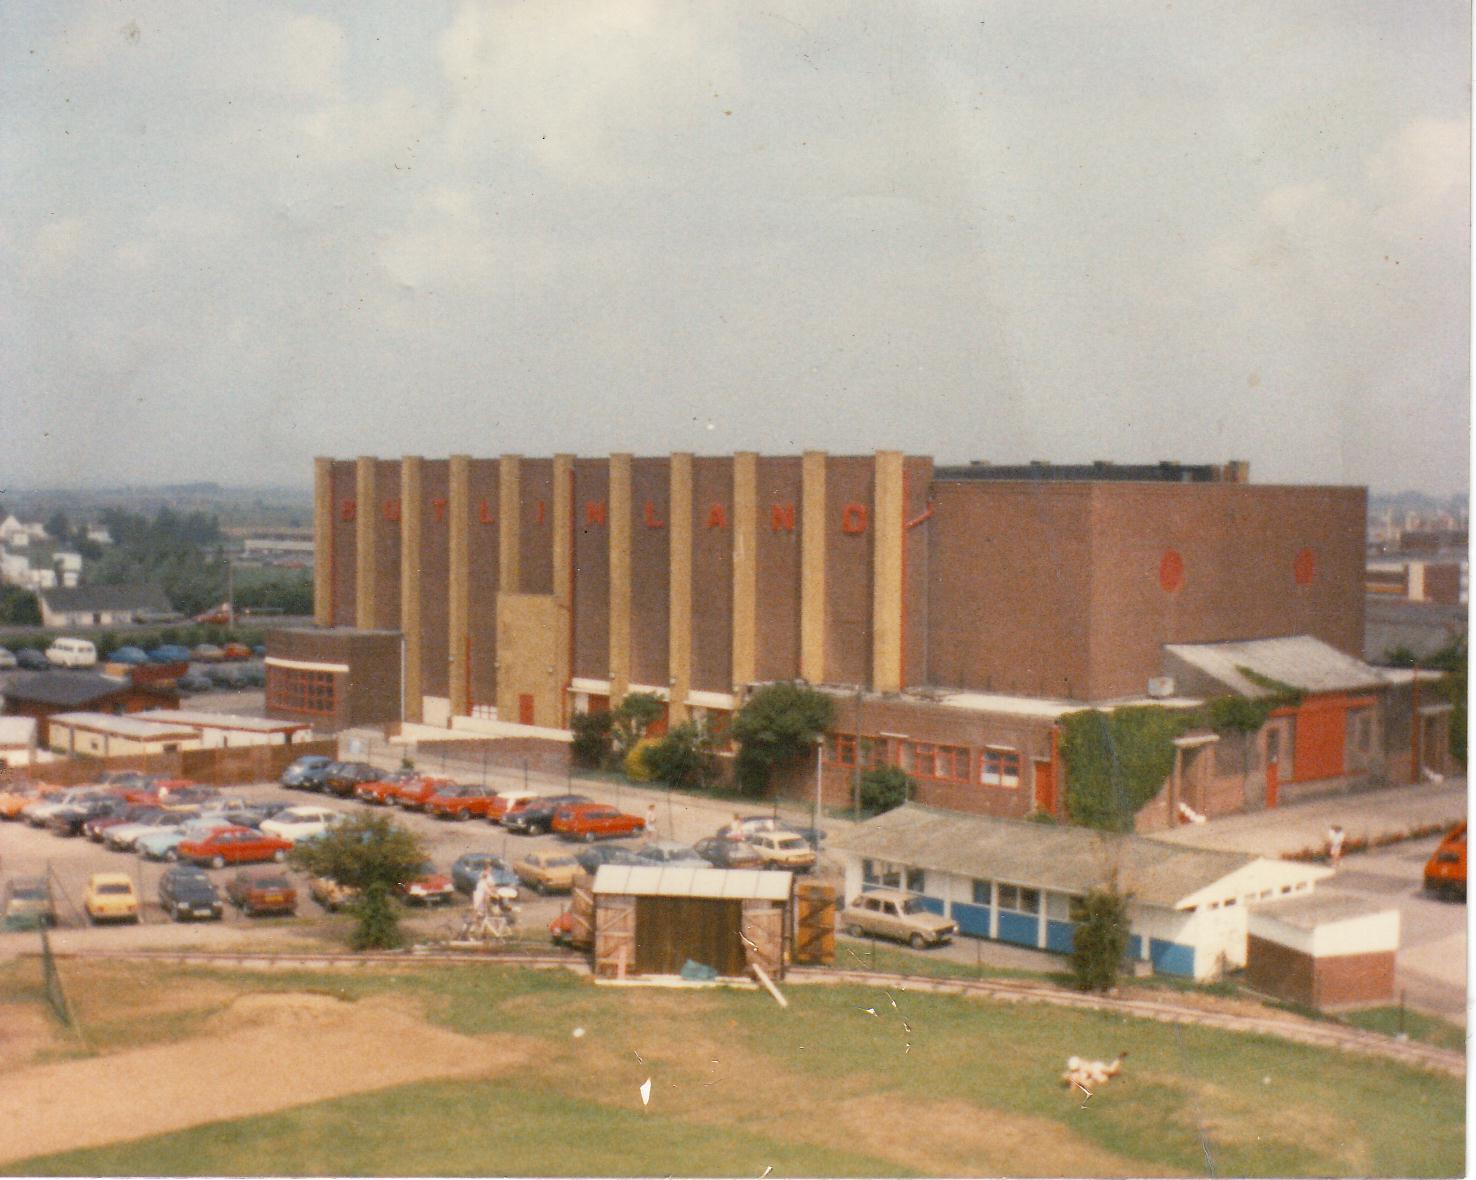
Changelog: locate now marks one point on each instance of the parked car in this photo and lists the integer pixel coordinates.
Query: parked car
(194, 682)
(129, 655)
(96, 828)
(343, 777)
(39, 812)
(163, 843)
(459, 801)
(251, 815)
(110, 897)
(169, 653)
(429, 887)
(233, 845)
(1445, 871)
(314, 777)
(72, 653)
(546, 871)
(16, 798)
(124, 837)
(31, 660)
(590, 859)
(380, 792)
(206, 653)
(225, 676)
(301, 823)
(186, 795)
(7, 659)
(751, 825)
(594, 821)
(330, 894)
(536, 817)
(235, 651)
(671, 853)
(293, 775)
(26, 904)
(894, 913)
(262, 891)
(722, 853)
(784, 850)
(506, 801)
(186, 892)
(411, 793)
(68, 820)
(467, 868)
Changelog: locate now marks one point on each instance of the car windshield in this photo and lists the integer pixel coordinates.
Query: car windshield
(792, 842)
(270, 883)
(28, 890)
(914, 905)
(560, 862)
(115, 887)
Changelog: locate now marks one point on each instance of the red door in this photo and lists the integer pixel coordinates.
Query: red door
(1273, 782)
(1045, 787)
(525, 708)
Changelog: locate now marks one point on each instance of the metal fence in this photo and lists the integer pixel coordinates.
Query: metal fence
(56, 996)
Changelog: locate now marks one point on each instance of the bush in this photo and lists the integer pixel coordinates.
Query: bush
(631, 718)
(683, 758)
(1100, 939)
(372, 854)
(636, 764)
(592, 737)
(885, 787)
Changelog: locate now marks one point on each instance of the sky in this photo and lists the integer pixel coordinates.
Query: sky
(235, 236)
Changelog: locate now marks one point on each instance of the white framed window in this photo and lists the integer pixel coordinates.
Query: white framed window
(999, 767)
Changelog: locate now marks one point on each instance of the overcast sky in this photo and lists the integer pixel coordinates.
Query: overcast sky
(234, 236)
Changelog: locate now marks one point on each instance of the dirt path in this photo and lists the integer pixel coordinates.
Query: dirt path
(266, 1052)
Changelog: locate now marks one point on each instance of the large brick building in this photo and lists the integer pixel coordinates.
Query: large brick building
(956, 612)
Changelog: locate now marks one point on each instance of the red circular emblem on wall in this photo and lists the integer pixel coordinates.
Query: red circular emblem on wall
(1171, 570)
(1304, 568)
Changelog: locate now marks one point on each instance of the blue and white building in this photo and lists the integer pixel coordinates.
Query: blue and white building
(1014, 881)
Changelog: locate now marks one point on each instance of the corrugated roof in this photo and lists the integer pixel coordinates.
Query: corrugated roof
(60, 687)
(1042, 856)
(141, 596)
(682, 881)
(199, 720)
(124, 726)
(1301, 661)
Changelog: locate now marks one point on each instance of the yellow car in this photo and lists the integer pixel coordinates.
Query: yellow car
(12, 800)
(546, 872)
(110, 897)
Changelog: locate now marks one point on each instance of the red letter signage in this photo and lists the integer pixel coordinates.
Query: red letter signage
(438, 506)
(538, 517)
(781, 518)
(391, 510)
(348, 510)
(853, 518)
(594, 512)
(717, 517)
(484, 513)
(649, 517)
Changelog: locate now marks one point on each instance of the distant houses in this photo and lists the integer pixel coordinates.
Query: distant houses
(101, 606)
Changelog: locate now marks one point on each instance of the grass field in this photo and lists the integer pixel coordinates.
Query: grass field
(846, 1081)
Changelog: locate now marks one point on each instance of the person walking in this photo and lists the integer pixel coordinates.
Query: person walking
(651, 820)
(1335, 845)
(482, 894)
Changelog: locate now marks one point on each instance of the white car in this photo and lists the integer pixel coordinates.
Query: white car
(302, 823)
(7, 658)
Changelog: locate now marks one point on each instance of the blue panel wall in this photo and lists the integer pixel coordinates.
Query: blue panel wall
(933, 905)
(1135, 946)
(971, 919)
(1059, 936)
(1171, 958)
(1021, 928)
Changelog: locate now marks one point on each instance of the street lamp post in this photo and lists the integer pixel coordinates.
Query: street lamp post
(819, 762)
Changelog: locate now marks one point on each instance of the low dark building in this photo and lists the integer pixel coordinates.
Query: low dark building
(335, 679)
(43, 694)
(102, 606)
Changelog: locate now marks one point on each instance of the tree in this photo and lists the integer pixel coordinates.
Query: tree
(683, 758)
(777, 725)
(371, 854)
(885, 787)
(591, 746)
(19, 607)
(59, 527)
(1100, 939)
(632, 717)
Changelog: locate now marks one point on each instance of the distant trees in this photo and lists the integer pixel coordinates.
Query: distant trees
(172, 549)
(19, 608)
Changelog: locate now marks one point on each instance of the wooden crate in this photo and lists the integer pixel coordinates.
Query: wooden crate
(814, 927)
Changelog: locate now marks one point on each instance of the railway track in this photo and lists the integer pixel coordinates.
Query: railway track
(1309, 1032)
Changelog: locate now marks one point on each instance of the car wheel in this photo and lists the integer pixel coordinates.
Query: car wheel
(917, 942)
(171, 854)
(539, 888)
(589, 837)
(279, 856)
(217, 862)
(138, 919)
(855, 931)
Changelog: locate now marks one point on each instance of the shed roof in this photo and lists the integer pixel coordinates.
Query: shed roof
(66, 688)
(1062, 857)
(1308, 911)
(17, 731)
(139, 596)
(201, 720)
(125, 726)
(1300, 661)
(683, 881)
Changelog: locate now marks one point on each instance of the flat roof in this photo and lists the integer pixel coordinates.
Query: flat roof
(198, 720)
(1307, 911)
(124, 726)
(17, 731)
(680, 881)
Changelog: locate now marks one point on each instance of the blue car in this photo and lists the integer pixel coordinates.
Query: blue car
(170, 653)
(299, 770)
(468, 867)
(129, 655)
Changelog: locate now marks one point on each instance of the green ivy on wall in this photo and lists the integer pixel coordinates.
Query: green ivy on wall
(1116, 762)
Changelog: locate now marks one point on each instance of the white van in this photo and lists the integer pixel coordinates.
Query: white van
(72, 653)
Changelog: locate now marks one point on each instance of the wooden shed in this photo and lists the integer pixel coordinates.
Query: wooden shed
(654, 920)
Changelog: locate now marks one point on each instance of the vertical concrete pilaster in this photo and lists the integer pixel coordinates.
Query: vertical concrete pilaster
(410, 563)
(812, 568)
(458, 519)
(745, 568)
(619, 578)
(366, 518)
(679, 657)
(509, 524)
(563, 574)
(886, 575)
(323, 542)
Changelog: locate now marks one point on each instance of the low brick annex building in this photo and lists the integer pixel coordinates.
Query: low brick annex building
(956, 612)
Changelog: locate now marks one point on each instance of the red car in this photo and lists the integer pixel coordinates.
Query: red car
(233, 845)
(262, 891)
(381, 791)
(432, 887)
(412, 793)
(594, 821)
(459, 801)
(504, 802)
